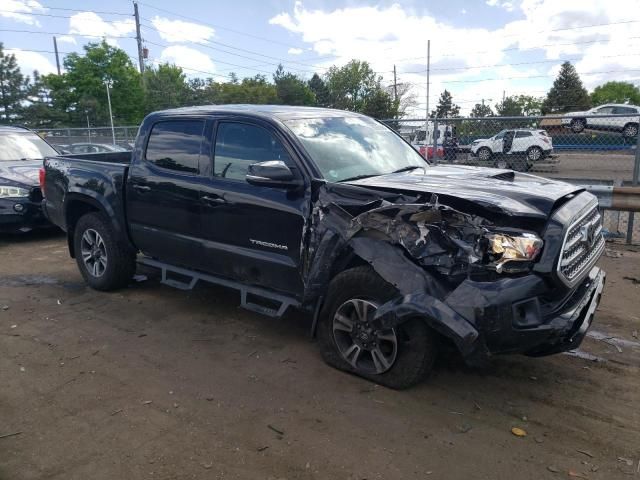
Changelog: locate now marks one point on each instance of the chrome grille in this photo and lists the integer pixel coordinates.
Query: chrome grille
(582, 246)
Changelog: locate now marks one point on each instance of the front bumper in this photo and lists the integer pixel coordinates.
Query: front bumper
(524, 315)
(20, 215)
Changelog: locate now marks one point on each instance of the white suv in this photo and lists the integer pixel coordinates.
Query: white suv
(597, 119)
(513, 148)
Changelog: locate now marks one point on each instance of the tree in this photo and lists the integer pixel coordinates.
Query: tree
(81, 91)
(405, 100)
(446, 108)
(320, 90)
(13, 87)
(519, 105)
(350, 85)
(165, 87)
(567, 93)
(616, 92)
(379, 104)
(291, 89)
(481, 110)
(38, 110)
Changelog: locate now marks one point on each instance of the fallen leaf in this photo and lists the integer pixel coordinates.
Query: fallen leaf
(518, 432)
(553, 469)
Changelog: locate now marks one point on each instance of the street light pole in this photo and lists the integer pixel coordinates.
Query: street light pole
(113, 131)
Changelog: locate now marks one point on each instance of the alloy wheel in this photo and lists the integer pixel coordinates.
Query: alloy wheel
(365, 347)
(94, 252)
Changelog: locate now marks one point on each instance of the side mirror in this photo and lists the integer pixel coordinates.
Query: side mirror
(272, 173)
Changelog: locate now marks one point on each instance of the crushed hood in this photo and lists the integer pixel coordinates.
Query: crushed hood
(20, 172)
(503, 191)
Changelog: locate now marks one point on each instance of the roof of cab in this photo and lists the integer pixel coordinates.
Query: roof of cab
(281, 112)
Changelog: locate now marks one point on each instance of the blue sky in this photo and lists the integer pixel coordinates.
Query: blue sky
(479, 49)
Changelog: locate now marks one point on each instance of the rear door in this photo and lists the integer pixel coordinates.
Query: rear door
(599, 118)
(522, 141)
(620, 122)
(251, 233)
(163, 192)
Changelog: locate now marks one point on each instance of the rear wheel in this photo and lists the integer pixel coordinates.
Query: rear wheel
(350, 340)
(103, 262)
(630, 130)
(501, 163)
(577, 125)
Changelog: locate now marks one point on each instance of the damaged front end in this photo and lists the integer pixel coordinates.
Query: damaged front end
(470, 277)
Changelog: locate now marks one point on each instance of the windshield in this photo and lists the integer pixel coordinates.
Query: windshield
(16, 146)
(348, 147)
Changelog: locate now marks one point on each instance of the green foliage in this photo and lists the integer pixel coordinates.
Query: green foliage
(481, 110)
(616, 92)
(518, 105)
(320, 90)
(13, 86)
(291, 89)
(446, 108)
(165, 87)
(567, 93)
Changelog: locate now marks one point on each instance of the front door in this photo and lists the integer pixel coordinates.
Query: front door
(163, 192)
(250, 233)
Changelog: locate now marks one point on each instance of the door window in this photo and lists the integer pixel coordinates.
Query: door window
(238, 145)
(523, 134)
(175, 145)
(604, 111)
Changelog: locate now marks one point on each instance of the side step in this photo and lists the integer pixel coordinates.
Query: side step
(246, 291)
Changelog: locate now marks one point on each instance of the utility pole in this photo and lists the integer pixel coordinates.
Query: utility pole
(426, 123)
(138, 36)
(395, 85)
(113, 131)
(55, 49)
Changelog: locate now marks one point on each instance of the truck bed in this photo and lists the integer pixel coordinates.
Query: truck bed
(121, 158)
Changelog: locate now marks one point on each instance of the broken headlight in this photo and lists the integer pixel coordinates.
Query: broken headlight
(503, 248)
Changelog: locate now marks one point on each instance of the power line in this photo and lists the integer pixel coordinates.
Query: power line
(60, 33)
(532, 76)
(84, 10)
(280, 60)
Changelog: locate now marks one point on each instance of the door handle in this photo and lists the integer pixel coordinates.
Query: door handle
(215, 200)
(142, 188)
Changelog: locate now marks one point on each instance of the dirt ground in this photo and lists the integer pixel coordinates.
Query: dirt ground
(156, 383)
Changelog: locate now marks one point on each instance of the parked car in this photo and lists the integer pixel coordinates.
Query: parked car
(93, 148)
(597, 119)
(21, 155)
(518, 149)
(334, 213)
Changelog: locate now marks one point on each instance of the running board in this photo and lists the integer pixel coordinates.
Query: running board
(246, 291)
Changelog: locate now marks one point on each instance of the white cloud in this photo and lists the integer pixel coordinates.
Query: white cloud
(67, 39)
(30, 61)
(463, 11)
(388, 35)
(192, 60)
(179, 31)
(295, 51)
(508, 6)
(89, 24)
(19, 10)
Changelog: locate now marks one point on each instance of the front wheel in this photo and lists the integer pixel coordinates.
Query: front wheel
(484, 154)
(351, 341)
(103, 262)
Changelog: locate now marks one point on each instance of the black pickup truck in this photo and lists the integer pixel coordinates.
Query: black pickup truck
(334, 213)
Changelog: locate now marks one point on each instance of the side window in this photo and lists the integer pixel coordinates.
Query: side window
(604, 110)
(238, 145)
(630, 110)
(500, 135)
(523, 134)
(175, 145)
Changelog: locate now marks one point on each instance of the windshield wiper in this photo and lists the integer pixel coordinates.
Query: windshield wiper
(407, 169)
(359, 177)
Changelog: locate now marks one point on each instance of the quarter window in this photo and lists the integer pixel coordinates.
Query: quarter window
(176, 145)
(238, 145)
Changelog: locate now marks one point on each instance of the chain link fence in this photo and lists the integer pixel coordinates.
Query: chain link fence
(90, 140)
(584, 150)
